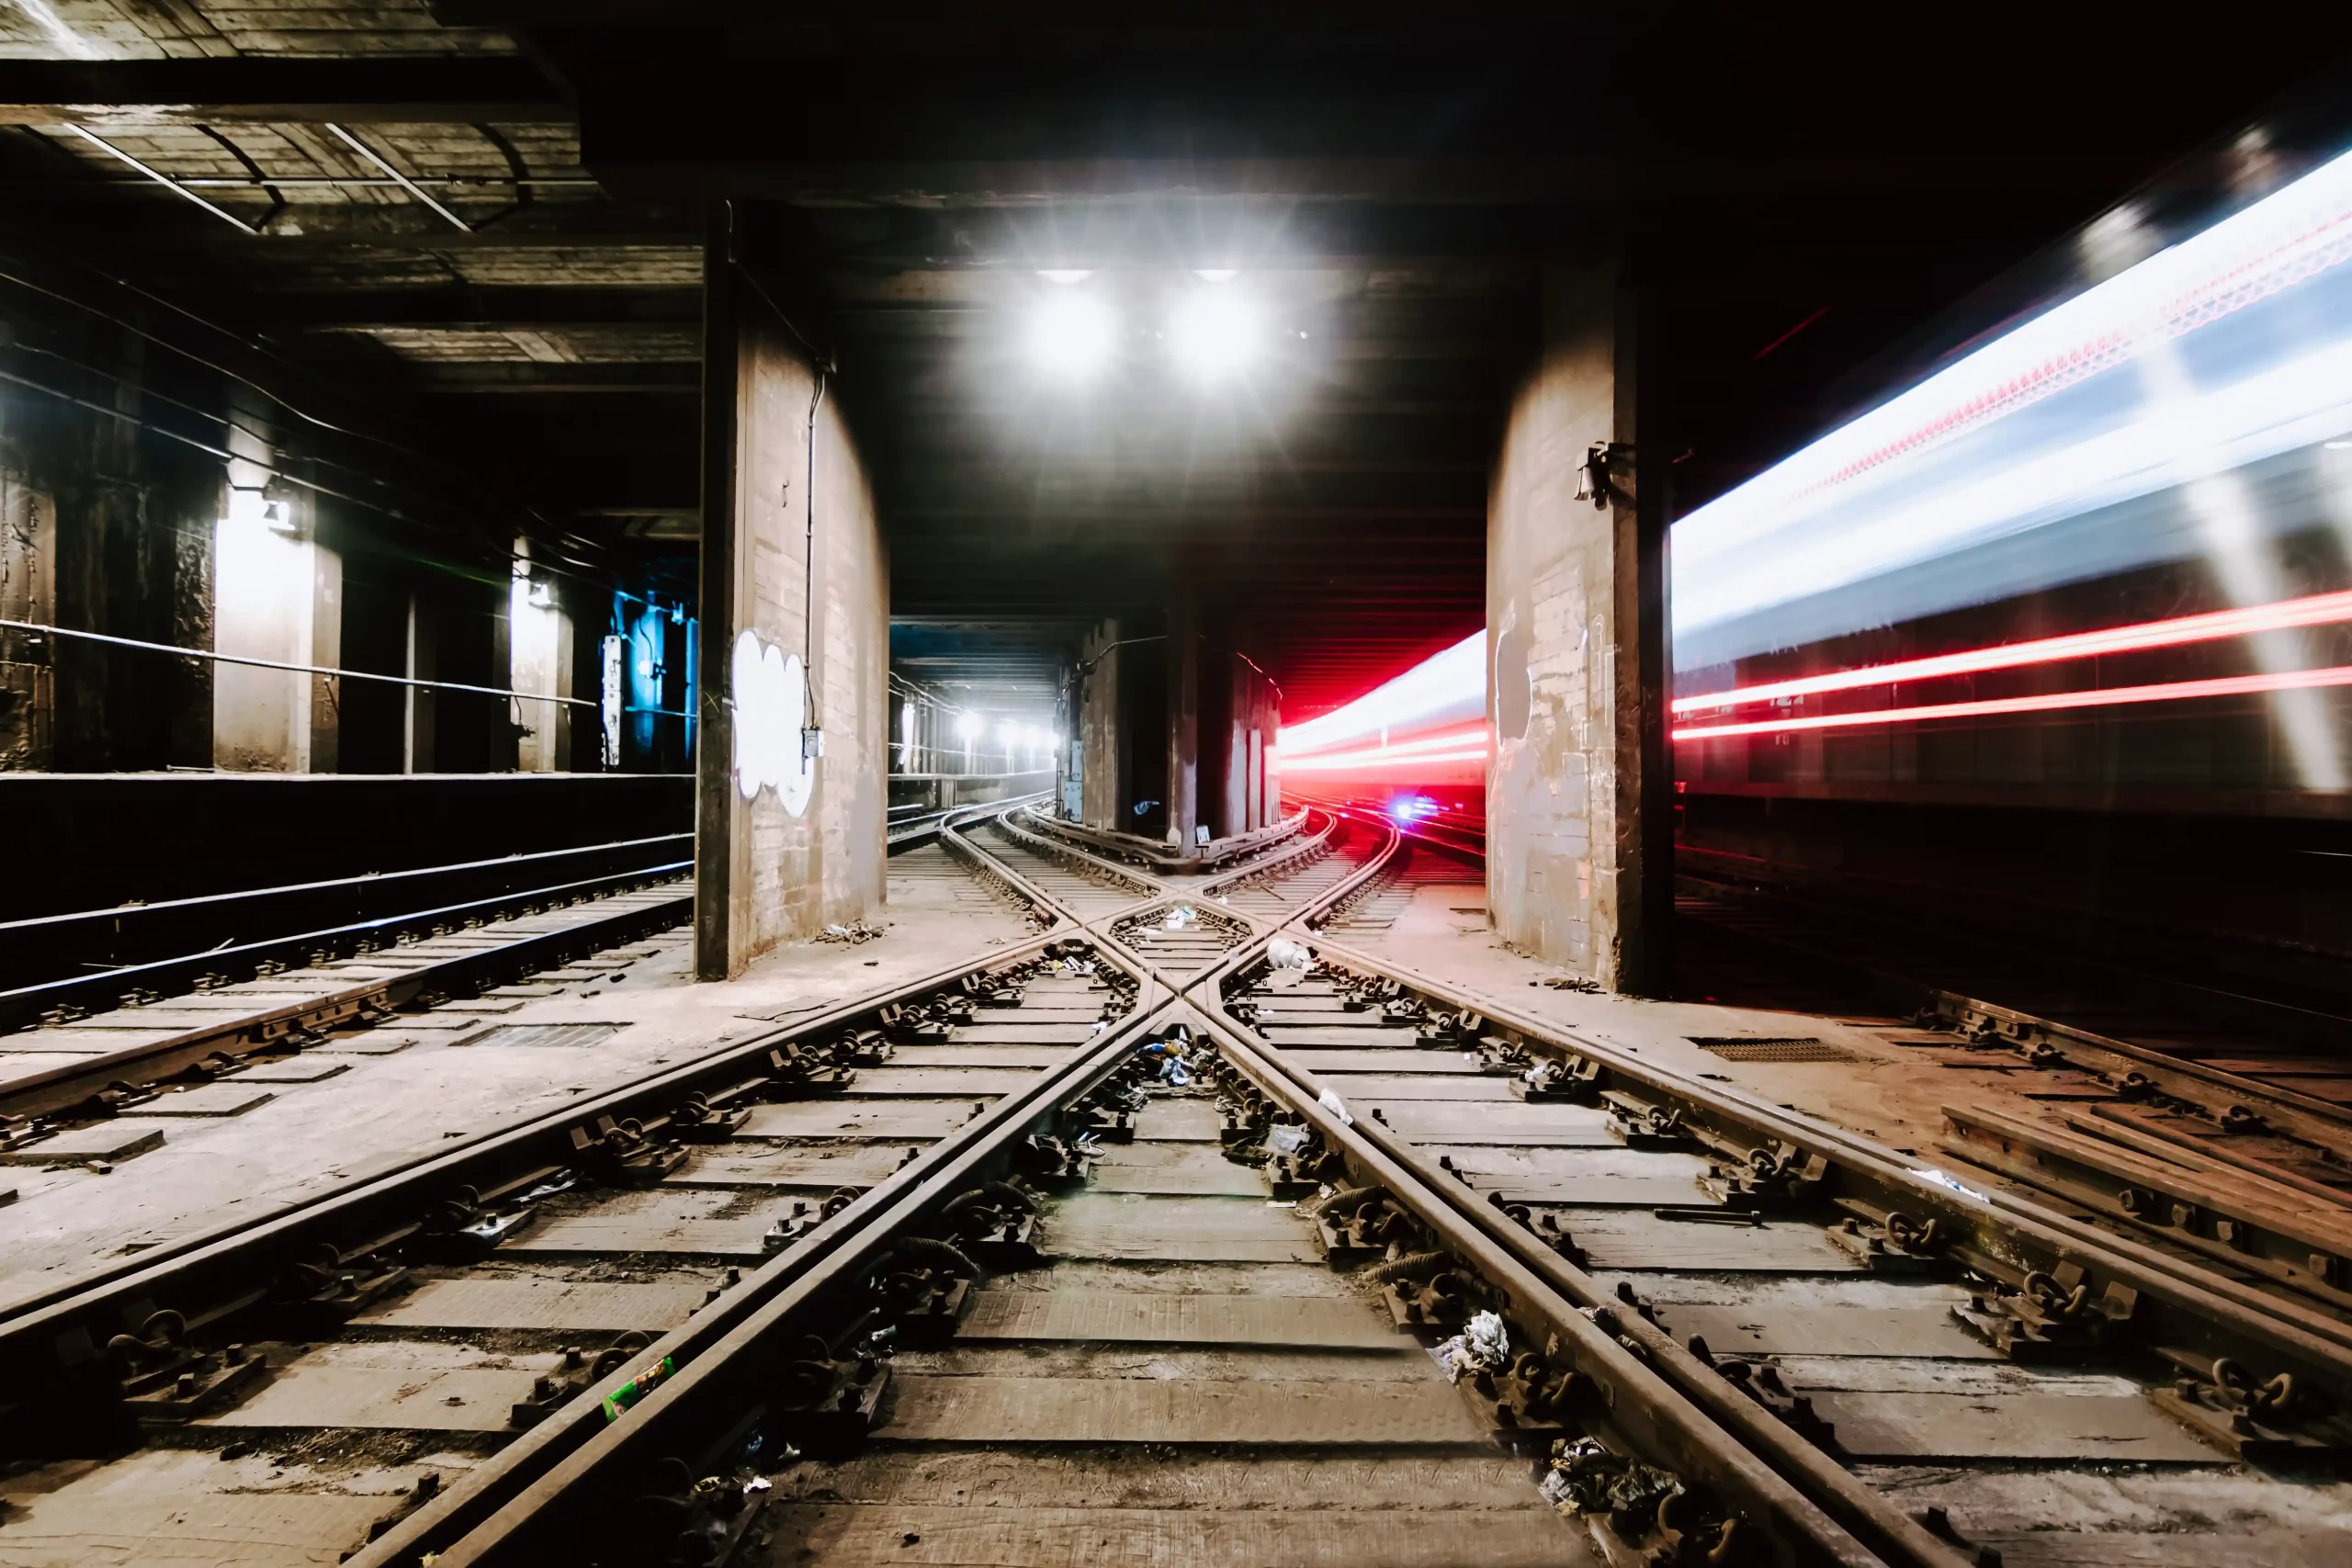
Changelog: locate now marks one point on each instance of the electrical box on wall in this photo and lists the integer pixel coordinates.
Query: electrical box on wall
(610, 704)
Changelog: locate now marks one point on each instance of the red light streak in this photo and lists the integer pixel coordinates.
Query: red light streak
(1450, 745)
(1477, 732)
(1342, 762)
(2049, 701)
(2320, 609)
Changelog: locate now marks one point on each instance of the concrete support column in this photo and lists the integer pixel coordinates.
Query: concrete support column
(792, 673)
(1095, 738)
(28, 592)
(422, 663)
(539, 661)
(1183, 713)
(1579, 795)
(277, 594)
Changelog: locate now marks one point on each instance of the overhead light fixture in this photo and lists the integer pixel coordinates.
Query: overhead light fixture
(1064, 275)
(250, 506)
(968, 727)
(1215, 333)
(542, 594)
(1216, 274)
(1071, 337)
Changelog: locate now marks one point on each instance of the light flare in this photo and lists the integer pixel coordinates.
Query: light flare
(2318, 610)
(2047, 702)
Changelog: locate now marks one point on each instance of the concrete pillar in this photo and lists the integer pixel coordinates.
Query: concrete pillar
(539, 661)
(1183, 713)
(1094, 751)
(277, 595)
(795, 657)
(28, 592)
(421, 662)
(1578, 792)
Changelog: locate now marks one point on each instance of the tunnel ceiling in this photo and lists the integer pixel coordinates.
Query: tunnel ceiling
(1391, 181)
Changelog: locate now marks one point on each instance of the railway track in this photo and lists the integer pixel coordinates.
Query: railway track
(408, 1310)
(1719, 1332)
(106, 1043)
(2152, 1125)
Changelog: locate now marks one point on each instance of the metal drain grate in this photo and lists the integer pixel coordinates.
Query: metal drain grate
(549, 1034)
(1771, 1048)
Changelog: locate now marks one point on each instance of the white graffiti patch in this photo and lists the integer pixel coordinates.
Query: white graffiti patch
(770, 692)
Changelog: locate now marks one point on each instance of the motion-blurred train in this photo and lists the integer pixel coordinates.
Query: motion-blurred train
(2102, 562)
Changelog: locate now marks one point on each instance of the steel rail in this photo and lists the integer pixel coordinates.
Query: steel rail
(2307, 1115)
(505, 1508)
(1157, 858)
(1714, 1433)
(485, 1161)
(203, 902)
(1782, 1489)
(2285, 1327)
(239, 1033)
(24, 1000)
(545, 1521)
(2190, 1299)
(1859, 1509)
(1808, 1491)
(508, 1508)
(1662, 1421)
(2007, 1230)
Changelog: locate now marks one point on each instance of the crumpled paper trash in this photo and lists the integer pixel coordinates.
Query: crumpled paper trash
(1483, 1345)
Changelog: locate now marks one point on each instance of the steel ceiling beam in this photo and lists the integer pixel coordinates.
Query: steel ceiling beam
(358, 90)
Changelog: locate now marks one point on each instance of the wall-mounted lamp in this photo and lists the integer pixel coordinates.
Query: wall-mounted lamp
(542, 594)
(246, 505)
(1593, 481)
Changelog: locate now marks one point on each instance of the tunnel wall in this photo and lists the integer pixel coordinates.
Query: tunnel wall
(117, 520)
(782, 854)
(2186, 894)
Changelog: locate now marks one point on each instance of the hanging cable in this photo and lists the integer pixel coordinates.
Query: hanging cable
(208, 654)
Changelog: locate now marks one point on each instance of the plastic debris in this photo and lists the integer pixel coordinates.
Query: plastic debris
(1170, 1053)
(1179, 917)
(1283, 954)
(1483, 1345)
(1940, 1180)
(854, 932)
(1286, 1137)
(1330, 1101)
(1586, 1478)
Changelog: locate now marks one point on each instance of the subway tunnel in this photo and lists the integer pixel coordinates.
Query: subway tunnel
(1277, 784)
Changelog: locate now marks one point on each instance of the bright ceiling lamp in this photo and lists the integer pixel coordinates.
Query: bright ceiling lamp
(1071, 335)
(1216, 332)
